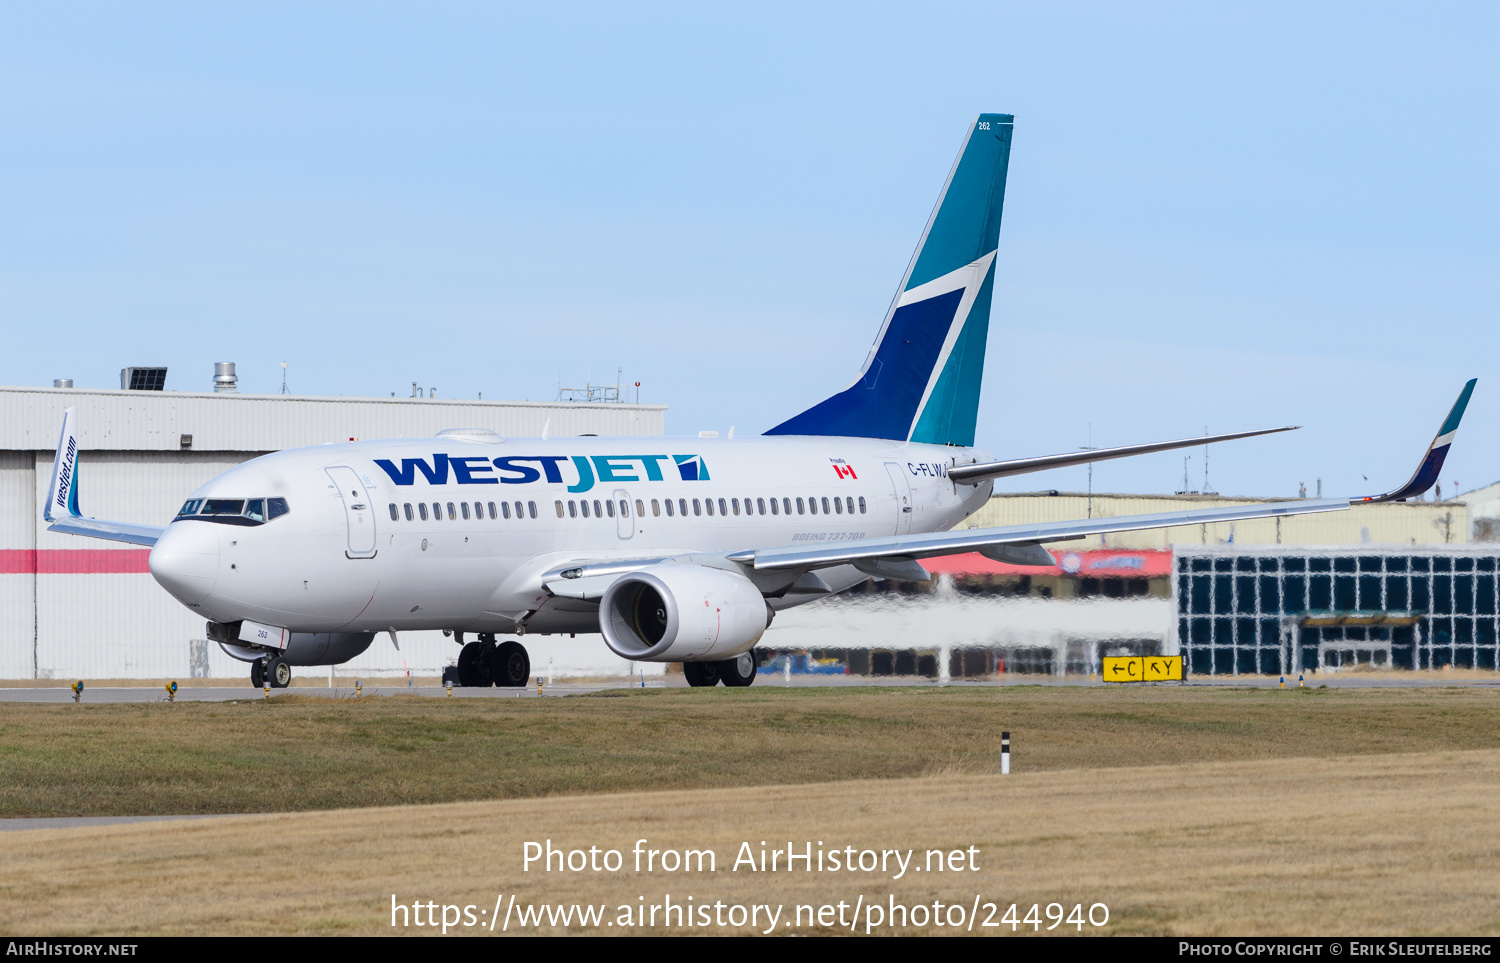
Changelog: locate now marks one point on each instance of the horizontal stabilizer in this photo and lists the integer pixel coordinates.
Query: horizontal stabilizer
(970, 474)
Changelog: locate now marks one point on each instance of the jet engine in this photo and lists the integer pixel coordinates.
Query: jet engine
(676, 613)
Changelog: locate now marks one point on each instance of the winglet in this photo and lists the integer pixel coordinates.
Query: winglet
(62, 494)
(1432, 462)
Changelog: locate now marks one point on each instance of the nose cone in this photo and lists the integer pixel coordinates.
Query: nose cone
(185, 561)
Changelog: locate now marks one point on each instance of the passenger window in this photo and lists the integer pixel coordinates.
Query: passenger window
(669, 507)
(407, 508)
(850, 503)
(452, 515)
(838, 506)
(479, 510)
(708, 503)
(422, 508)
(655, 509)
(530, 505)
(682, 506)
(861, 504)
(609, 506)
(697, 509)
(255, 509)
(825, 506)
(559, 510)
(722, 509)
(521, 514)
(762, 503)
(597, 512)
(493, 514)
(799, 507)
(437, 512)
(505, 509)
(465, 506)
(774, 507)
(786, 503)
(735, 504)
(395, 515)
(585, 509)
(640, 508)
(572, 508)
(812, 505)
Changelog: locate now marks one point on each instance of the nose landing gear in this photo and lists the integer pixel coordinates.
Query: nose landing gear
(273, 669)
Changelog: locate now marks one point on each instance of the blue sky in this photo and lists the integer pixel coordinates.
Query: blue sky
(1221, 216)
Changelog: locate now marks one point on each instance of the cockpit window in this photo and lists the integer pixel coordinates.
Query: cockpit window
(234, 511)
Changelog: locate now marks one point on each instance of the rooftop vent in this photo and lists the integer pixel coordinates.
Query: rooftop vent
(473, 434)
(143, 379)
(225, 379)
(62, 382)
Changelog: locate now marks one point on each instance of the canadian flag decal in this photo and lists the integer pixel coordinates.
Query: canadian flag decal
(845, 471)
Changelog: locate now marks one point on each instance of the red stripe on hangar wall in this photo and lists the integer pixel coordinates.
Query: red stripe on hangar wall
(74, 561)
(1100, 563)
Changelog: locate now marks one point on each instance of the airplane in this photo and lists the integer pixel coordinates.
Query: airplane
(674, 550)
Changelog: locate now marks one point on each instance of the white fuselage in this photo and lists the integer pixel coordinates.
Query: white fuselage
(477, 523)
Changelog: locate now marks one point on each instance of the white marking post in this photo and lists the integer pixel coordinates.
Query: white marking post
(1004, 753)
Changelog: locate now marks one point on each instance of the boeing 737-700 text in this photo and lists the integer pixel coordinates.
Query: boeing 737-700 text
(674, 550)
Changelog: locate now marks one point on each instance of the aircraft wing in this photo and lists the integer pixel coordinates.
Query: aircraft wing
(61, 509)
(895, 556)
(1026, 538)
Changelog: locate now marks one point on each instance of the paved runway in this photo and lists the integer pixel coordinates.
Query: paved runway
(239, 693)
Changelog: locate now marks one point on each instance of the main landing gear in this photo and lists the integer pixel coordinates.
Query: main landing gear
(736, 672)
(273, 669)
(484, 663)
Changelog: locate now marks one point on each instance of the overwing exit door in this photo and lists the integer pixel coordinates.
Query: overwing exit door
(358, 513)
(624, 514)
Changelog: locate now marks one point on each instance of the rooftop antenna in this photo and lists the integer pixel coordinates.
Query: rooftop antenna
(283, 379)
(1090, 447)
(1206, 490)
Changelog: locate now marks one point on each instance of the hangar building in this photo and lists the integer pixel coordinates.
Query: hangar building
(73, 607)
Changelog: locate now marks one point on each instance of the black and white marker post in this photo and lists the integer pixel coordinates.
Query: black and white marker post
(1004, 753)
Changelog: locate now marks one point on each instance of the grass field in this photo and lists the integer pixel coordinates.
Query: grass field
(1360, 845)
(299, 752)
(1186, 811)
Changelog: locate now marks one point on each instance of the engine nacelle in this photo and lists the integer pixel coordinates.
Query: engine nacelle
(676, 613)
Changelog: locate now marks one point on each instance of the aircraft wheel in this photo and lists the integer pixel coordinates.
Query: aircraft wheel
(279, 671)
(739, 671)
(701, 673)
(510, 666)
(474, 664)
(258, 674)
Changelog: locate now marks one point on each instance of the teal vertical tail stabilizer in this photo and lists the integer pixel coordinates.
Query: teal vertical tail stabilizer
(921, 380)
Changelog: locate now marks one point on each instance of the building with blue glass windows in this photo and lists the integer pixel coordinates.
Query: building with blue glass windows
(1272, 610)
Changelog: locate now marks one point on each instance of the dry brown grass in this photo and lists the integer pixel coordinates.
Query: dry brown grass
(1373, 844)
